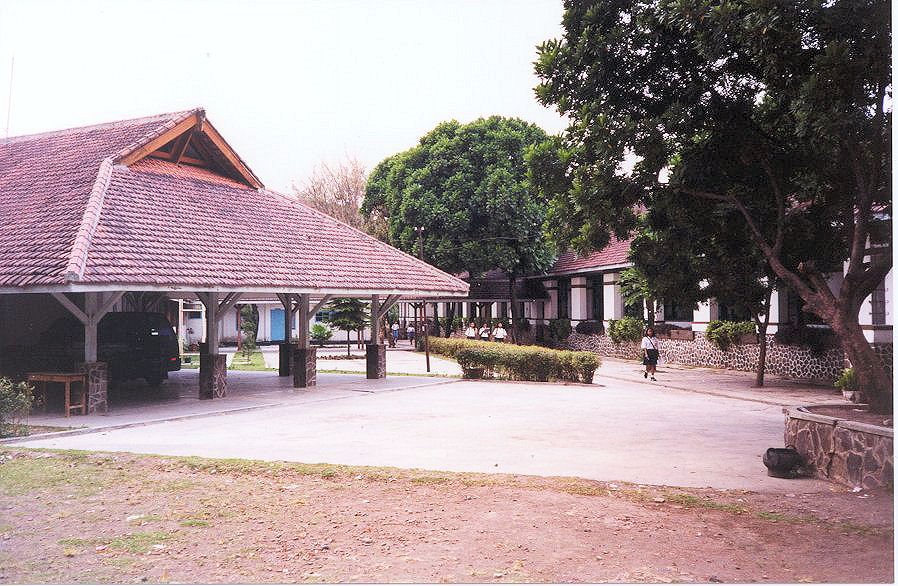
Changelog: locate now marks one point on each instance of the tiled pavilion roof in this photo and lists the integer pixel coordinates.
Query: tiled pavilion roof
(90, 208)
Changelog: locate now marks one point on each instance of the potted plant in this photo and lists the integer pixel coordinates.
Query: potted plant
(847, 383)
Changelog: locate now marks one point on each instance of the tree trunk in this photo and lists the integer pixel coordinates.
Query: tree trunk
(515, 318)
(872, 377)
(762, 340)
(348, 344)
(649, 309)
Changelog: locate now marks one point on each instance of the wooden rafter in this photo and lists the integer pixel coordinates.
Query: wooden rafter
(160, 141)
(185, 134)
(180, 147)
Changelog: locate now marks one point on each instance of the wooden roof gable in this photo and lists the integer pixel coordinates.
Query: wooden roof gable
(192, 141)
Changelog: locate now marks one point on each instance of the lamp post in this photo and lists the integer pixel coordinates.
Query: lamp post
(419, 230)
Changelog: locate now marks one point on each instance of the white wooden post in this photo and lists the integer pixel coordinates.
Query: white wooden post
(579, 305)
(613, 301)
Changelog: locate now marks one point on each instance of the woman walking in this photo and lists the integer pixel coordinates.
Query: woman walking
(650, 347)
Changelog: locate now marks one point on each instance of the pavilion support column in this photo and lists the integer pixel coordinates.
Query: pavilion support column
(213, 366)
(96, 305)
(305, 370)
(288, 347)
(375, 352)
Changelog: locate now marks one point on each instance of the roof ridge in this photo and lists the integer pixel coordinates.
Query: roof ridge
(378, 241)
(101, 125)
(78, 257)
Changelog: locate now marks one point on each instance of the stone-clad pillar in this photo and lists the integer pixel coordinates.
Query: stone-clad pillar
(376, 361)
(305, 369)
(285, 358)
(97, 388)
(213, 376)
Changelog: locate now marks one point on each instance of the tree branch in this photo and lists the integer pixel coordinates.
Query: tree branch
(780, 206)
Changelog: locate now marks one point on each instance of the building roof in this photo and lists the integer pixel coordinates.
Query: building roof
(118, 206)
(495, 285)
(614, 255)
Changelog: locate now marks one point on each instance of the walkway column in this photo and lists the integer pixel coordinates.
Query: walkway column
(613, 301)
(287, 347)
(96, 305)
(213, 366)
(376, 353)
(305, 370)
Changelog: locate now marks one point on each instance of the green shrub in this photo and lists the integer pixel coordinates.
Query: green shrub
(590, 327)
(559, 329)
(847, 381)
(15, 402)
(627, 329)
(320, 333)
(523, 363)
(724, 334)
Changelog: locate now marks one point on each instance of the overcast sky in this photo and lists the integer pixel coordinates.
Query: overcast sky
(289, 84)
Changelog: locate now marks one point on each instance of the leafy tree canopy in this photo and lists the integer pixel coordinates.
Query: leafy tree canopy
(467, 185)
(776, 114)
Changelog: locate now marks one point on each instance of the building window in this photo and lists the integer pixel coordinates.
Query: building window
(597, 306)
(878, 305)
(732, 313)
(677, 312)
(564, 298)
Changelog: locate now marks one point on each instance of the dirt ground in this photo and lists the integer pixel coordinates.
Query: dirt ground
(118, 518)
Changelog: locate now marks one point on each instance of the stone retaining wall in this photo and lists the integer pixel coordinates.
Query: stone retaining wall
(851, 453)
(788, 361)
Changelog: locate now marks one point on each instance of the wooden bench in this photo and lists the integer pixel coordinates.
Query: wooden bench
(65, 378)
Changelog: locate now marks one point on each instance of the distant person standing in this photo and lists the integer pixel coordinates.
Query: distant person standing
(650, 348)
(471, 332)
(394, 331)
(499, 333)
(410, 332)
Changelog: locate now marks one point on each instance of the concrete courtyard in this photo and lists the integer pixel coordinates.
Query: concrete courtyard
(619, 429)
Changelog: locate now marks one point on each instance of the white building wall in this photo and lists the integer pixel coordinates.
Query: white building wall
(579, 301)
(613, 302)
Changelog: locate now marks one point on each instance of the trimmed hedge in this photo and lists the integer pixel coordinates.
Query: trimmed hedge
(627, 329)
(523, 363)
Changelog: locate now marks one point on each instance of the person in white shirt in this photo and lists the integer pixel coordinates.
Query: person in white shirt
(410, 332)
(394, 329)
(650, 347)
(485, 333)
(499, 333)
(471, 332)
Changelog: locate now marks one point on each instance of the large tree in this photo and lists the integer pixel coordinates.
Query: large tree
(779, 111)
(467, 185)
(338, 190)
(349, 314)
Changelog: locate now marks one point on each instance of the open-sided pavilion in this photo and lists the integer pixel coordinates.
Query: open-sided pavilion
(164, 205)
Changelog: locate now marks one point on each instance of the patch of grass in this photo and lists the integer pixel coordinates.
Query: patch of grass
(692, 501)
(75, 542)
(194, 523)
(585, 489)
(174, 485)
(21, 476)
(427, 479)
(255, 361)
(121, 562)
(140, 542)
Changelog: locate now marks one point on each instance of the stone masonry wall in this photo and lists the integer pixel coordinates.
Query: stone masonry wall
(842, 451)
(788, 361)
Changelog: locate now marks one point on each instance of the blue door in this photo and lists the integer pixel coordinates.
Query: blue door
(277, 325)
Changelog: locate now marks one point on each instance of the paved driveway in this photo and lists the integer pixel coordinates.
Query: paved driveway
(618, 431)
